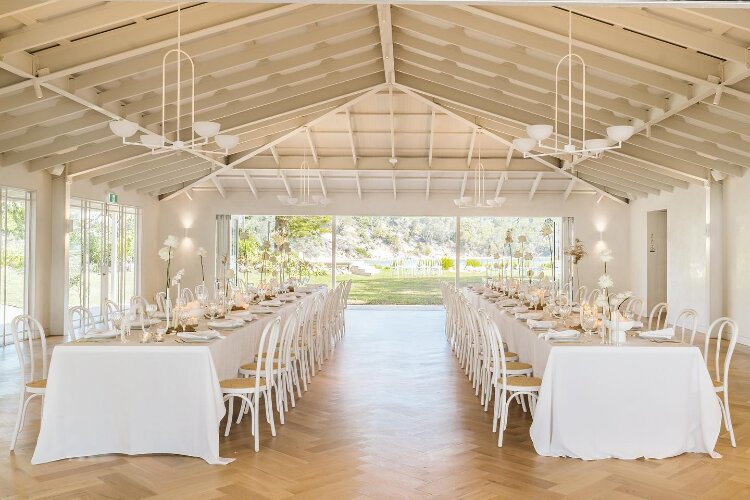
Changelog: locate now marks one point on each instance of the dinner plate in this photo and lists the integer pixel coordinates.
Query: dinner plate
(225, 323)
(136, 324)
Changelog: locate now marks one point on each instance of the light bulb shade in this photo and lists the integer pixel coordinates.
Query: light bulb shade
(123, 128)
(152, 140)
(524, 145)
(596, 145)
(227, 142)
(620, 133)
(496, 202)
(206, 129)
(539, 132)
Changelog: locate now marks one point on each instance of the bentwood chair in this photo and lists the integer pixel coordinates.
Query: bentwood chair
(658, 317)
(718, 331)
(161, 301)
(594, 295)
(634, 307)
(33, 382)
(687, 323)
(110, 307)
(187, 295)
(250, 389)
(507, 386)
(582, 293)
(80, 321)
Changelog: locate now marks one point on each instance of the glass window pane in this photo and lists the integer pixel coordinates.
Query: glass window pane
(15, 265)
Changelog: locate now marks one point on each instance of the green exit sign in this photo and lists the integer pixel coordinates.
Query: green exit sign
(111, 197)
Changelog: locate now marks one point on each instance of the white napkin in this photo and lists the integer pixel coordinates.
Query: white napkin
(519, 309)
(508, 302)
(533, 323)
(530, 315)
(666, 333)
(554, 334)
(200, 335)
(243, 316)
(100, 334)
(260, 309)
(226, 323)
(637, 324)
(271, 303)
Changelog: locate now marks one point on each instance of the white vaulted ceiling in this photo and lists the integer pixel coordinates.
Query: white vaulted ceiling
(358, 84)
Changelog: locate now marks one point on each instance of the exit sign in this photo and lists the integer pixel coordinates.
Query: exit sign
(111, 197)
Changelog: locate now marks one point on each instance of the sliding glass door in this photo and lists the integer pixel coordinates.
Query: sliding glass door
(103, 255)
(16, 257)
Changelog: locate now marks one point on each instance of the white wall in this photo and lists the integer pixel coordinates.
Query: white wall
(736, 258)
(607, 221)
(689, 277)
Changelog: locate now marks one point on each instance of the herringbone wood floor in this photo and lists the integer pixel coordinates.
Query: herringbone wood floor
(391, 416)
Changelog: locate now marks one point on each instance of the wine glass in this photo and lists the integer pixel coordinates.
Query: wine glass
(116, 319)
(182, 318)
(150, 311)
(565, 310)
(588, 321)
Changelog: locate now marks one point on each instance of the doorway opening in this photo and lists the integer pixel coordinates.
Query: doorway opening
(656, 257)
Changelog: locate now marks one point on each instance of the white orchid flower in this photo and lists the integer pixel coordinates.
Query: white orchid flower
(164, 253)
(171, 241)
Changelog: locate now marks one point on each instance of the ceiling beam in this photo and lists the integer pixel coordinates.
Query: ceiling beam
(219, 187)
(386, 40)
(175, 181)
(70, 25)
(250, 183)
(414, 90)
(350, 130)
(286, 182)
(432, 139)
(569, 189)
(500, 182)
(167, 167)
(381, 163)
(239, 159)
(641, 21)
(155, 177)
(471, 146)
(275, 154)
(535, 185)
(313, 151)
(322, 184)
(10, 8)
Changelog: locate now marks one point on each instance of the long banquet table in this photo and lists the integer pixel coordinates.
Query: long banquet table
(132, 398)
(596, 401)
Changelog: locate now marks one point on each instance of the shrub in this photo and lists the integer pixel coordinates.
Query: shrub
(447, 263)
(473, 263)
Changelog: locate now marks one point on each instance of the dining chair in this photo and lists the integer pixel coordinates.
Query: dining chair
(507, 386)
(27, 328)
(721, 375)
(110, 307)
(250, 389)
(161, 301)
(187, 295)
(582, 293)
(80, 321)
(687, 322)
(634, 307)
(659, 311)
(200, 290)
(594, 295)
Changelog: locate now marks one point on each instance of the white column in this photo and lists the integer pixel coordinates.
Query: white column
(458, 250)
(333, 252)
(60, 238)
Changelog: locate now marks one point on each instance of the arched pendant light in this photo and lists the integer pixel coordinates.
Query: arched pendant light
(566, 145)
(305, 198)
(479, 198)
(200, 131)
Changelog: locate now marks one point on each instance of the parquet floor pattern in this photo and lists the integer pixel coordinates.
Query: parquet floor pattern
(390, 416)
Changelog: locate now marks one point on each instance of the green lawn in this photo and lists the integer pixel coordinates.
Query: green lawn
(385, 289)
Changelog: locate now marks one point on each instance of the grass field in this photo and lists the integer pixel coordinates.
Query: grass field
(386, 288)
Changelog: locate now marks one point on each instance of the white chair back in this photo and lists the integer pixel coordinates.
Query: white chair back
(161, 301)
(187, 295)
(594, 295)
(80, 320)
(27, 328)
(581, 294)
(660, 310)
(687, 323)
(635, 306)
(110, 307)
(718, 332)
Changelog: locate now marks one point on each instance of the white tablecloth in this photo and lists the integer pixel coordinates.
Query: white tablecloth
(637, 400)
(142, 398)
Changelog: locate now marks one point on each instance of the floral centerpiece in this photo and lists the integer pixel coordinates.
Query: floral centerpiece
(166, 252)
(202, 253)
(610, 303)
(509, 246)
(576, 252)
(548, 231)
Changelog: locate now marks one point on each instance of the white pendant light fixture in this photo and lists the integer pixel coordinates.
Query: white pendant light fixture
(200, 131)
(305, 198)
(566, 145)
(479, 198)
